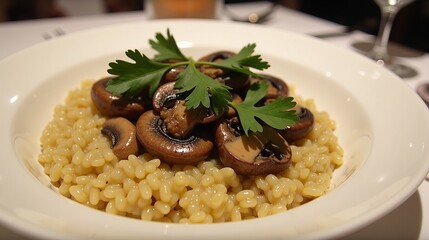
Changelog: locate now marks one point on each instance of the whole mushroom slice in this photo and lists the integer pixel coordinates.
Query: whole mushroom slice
(153, 137)
(122, 133)
(253, 154)
(301, 128)
(276, 86)
(114, 106)
(235, 80)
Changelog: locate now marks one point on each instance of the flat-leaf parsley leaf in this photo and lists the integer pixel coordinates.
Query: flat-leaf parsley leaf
(275, 114)
(167, 48)
(242, 61)
(132, 78)
(203, 88)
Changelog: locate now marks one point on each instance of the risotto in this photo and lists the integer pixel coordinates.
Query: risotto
(78, 159)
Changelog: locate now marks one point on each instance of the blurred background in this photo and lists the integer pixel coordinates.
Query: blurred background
(411, 27)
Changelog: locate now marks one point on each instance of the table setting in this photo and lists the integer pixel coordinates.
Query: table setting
(406, 212)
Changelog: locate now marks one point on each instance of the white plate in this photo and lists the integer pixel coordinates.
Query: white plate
(382, 126)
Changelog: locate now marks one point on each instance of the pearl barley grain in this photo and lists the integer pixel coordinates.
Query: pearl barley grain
(78, 159)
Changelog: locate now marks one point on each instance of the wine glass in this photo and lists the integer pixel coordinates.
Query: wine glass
(379, 52)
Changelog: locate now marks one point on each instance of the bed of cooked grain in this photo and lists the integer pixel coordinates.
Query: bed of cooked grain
(79, 161)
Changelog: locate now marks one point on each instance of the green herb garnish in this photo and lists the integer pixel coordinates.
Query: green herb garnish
(275, 114)
(201, 87)
(167, 48)
(201, 90)
(132, 78)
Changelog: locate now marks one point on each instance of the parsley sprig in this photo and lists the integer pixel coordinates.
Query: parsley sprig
(201, 90)
(276, 114)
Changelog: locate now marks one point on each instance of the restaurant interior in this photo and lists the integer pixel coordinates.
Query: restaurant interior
(410, 28)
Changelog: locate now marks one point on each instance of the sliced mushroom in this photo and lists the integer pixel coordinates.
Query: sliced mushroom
(152, 135)
(164, 96)
(276, 86)
(231, 111)
(215, 57)
(122, 133)
(255, 154)
(233, 79)
(114, 106)
(300, 129)
(171, 75)
(179, 120)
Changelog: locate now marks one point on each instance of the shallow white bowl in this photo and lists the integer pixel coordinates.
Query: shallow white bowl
(382, 126)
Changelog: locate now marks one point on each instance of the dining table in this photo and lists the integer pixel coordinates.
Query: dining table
(409, 220)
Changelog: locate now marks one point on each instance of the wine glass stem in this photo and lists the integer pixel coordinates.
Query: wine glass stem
(380, 47)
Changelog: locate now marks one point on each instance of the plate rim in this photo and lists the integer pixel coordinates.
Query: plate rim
(346, 228)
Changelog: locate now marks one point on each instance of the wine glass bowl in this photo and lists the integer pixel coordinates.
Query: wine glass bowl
(389, 9)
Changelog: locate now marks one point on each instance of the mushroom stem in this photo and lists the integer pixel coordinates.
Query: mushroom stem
(179, 120)
(151, 134)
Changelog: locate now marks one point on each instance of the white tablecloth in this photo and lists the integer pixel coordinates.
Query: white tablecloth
(409, 221)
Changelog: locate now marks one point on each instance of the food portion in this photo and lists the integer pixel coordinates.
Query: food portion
(172, 139)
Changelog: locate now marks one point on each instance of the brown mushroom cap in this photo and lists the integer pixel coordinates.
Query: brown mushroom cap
(255, 154)
(215, 57)
(235, 80)
(152, 136)
(301, 128)
(122, 133)
(114, 106)
(171, 75)
(276, 86)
